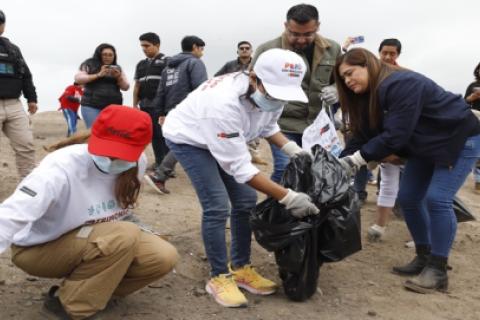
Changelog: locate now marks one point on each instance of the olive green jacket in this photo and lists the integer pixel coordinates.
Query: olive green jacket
(297, 116)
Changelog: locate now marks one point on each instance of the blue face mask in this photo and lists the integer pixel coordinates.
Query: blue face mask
(116, 166)
(266, 104)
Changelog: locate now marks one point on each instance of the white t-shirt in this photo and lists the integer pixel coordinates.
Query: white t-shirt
(64, 192)
(218, 117)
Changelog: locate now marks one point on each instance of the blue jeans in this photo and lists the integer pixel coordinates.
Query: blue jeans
(426, 196)
(71, 118)
(360, 182)
(220, 196)
(89, 114)
(280, 159)
(476, 172)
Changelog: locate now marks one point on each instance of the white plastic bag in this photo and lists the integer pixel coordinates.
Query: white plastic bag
(322, 131)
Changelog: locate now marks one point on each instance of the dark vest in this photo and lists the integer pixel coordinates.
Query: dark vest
(148, 75)
(101, 92)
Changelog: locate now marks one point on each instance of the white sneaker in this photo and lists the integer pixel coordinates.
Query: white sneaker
(375, 233)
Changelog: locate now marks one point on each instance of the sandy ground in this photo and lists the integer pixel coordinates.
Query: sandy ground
(360, 287)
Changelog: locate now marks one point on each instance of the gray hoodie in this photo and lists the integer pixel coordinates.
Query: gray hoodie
(183, 74)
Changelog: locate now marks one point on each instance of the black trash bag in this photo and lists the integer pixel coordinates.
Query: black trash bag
(462, 212)
(295, 244)
(301, 245)
(340, 235)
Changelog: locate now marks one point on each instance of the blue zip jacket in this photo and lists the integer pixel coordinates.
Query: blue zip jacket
(420, 119)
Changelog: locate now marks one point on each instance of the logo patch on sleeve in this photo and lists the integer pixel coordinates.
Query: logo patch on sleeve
(223, 135)
(28, 191)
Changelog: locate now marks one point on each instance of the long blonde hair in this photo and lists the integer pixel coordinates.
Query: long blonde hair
(356, 105)
(127, 186)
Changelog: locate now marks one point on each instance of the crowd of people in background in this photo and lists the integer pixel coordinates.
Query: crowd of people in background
(78, 200)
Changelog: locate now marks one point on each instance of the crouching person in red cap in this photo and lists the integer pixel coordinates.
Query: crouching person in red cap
(64, 220)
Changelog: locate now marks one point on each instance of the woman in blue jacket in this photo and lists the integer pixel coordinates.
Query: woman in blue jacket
(397, 114)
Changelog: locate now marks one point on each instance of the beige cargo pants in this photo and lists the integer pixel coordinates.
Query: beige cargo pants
(16, 126)
(111, 258)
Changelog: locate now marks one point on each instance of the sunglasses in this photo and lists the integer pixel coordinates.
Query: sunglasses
(244, 48)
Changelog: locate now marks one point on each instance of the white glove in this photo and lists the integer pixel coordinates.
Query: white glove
(291, 149)
(353, 163)
(299, 204)
(329, 94)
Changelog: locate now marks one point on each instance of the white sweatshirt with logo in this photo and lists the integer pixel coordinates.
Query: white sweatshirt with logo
(219, 118)
(64, 192)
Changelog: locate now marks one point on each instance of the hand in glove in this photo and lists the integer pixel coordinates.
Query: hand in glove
(299, 204)
(329, 94)
(352, 163)
(291, 149)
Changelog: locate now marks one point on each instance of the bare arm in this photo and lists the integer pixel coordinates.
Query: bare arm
(263, 184)
(278, 139)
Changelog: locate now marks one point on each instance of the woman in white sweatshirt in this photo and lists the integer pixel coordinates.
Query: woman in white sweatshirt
(64, 220)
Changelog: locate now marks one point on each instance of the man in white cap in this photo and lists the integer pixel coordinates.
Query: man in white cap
(208, 132)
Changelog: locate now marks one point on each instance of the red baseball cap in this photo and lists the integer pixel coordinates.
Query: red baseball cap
(120, 132)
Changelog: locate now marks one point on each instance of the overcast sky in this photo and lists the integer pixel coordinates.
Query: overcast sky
(440, 38)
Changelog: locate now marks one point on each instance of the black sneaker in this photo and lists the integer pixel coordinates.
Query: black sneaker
(52, 307)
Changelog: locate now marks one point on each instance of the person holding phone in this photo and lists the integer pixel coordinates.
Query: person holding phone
(102, 79)
(472, 96)
(395, 114)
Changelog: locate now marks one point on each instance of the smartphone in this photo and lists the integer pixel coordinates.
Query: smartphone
(358, 39)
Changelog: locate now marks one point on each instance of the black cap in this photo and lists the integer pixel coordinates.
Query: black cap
(2, 17)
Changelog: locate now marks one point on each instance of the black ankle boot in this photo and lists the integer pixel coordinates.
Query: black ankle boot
(415, 266)
(433, 277)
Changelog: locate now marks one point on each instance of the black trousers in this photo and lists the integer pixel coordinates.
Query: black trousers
(159, 147)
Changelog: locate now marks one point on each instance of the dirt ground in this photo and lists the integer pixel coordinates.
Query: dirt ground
(360, 287)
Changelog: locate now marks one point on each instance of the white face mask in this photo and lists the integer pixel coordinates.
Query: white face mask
(109, 166)
(266, 104)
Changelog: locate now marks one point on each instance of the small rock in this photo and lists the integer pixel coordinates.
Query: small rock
(320, 292)
(32, 279)
(372, 313)
(40, 137)
(28, 304)
(198, 292)
(2, 282)
(372, 283)
(5, 165)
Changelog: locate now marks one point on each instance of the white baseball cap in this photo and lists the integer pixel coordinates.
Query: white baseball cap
(281, 72)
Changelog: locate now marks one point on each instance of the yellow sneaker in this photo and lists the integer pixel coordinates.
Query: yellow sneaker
(225, 291)
(247, 278)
